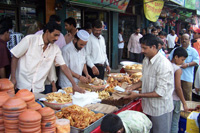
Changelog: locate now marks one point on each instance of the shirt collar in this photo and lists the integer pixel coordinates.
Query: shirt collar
(41, 41)
(95, 36)
(155, 58)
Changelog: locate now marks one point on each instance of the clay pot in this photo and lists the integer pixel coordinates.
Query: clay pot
(46, 111)
(6, 84)
(4, 97)
(14, 104)
(34, 106)
(25, 95)
(30, 116)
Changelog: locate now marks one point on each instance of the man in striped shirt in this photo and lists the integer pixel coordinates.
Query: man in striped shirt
(157, 86)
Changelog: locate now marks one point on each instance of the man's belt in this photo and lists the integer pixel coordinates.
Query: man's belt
(99, 64)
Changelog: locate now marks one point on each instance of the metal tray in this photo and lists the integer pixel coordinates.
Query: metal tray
(89, 128)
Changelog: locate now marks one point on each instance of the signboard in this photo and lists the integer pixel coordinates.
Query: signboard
(179, 2)
(152, 9)
(114, 5)
(190, 4)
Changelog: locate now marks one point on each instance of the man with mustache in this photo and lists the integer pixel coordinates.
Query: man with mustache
(33, 58)
(75, 57)
(188, 67)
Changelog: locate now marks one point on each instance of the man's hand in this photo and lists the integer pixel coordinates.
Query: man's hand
(197, 90)
(185, 107)
(185, 65)
(89, 77)
(77, 89)
(108, 69)
(83, 79)
(133, 96)
(95, 71)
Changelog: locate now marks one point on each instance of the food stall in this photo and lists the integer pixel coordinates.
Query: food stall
(64, 111)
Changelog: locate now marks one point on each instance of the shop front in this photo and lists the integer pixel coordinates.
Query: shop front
(88, 11)
(23, 13)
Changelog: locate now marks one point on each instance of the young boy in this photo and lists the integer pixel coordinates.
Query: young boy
(179, 56)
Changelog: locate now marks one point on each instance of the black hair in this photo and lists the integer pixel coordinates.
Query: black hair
(149, 40)
(180, 52)
(161, 33)
(137, 28)
(88, 25)
(71, 21)
(51, 26)
(160, 41)
(54, 18)
(111, 123)
(120, 30)
(158, 27)
(5, 25)
(75, 36)
(154, 29)
(97, 24)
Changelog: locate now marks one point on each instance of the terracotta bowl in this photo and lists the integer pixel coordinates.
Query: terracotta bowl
(4, 97)
(30, 116)
(34, 106)
(46, 111)
(14, 103)
(6, 84)
(25, 95)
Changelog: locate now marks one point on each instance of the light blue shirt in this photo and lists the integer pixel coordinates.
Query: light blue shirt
(188, 73)
(162, 52)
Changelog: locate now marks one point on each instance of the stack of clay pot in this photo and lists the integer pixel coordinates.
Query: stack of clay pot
(29, 98)
(48, 124)
(3, 98)
(30, 122)
(7, 86)
(12, 108)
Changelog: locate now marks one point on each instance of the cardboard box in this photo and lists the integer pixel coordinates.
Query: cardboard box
(192, 124)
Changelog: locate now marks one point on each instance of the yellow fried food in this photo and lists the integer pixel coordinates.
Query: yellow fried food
(59, 97)
(103, 94)
(134, 66)
(68, 90)
(80, 117)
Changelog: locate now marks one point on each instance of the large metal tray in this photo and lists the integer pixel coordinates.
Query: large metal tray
(89, 128)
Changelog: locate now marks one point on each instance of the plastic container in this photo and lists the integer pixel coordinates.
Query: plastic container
(182, 125)
(62, 126)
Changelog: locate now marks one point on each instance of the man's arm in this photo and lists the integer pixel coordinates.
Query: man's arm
(13, 69)
(185, 65)
(79, 77)
(2, 72)
(178, 88)
(67, 73)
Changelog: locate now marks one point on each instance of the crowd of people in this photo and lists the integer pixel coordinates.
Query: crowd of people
(45, 54)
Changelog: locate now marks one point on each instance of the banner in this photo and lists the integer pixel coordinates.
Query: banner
(179, 2)
(152, 9)
(190, 4)
(114, 5)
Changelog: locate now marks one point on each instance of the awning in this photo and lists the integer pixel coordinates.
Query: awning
(112, 5)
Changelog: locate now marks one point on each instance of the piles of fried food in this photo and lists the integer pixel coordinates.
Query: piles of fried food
(96, 81)
(59, 97)
(68, 90)
(79, 117)
(103, 94)
(134, 66)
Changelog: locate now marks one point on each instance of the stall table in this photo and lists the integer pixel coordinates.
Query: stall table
(135, 105)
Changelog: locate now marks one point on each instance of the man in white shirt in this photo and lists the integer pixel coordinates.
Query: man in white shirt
(75, 58)
(171, 40)
(120, 45)
(134, 47)
(33, 58)
(157, 86)
(96, 52)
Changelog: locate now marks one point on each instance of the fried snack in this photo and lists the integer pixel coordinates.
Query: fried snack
(96, 81)
(134, 66)
(103, 94)
(110, 88)
(59, 115)
(80, 117)
(68, 90)
(59, 97)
